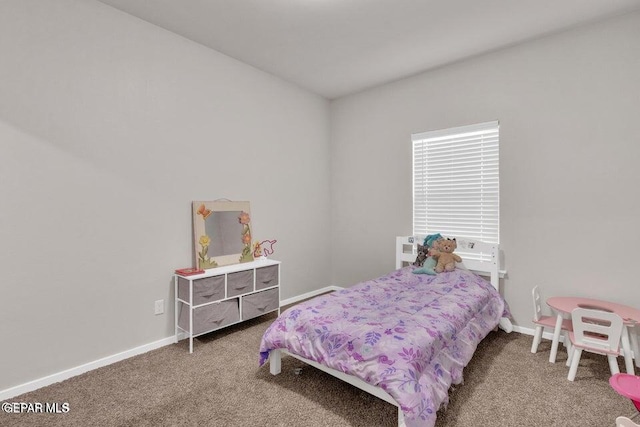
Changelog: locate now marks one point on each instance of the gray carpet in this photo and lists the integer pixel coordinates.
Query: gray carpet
(220, 384)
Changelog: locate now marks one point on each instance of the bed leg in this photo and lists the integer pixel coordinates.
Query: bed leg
(275, 362)
(505, 325)
(400, 418)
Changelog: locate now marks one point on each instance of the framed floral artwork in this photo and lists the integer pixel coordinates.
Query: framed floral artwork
(222, 233)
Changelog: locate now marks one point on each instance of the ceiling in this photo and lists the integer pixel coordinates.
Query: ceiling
(339, 47)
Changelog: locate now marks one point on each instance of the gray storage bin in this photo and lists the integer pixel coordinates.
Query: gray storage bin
(210, 317)
(239, 283)
(204, 290)
(257, 304)
(267, 277)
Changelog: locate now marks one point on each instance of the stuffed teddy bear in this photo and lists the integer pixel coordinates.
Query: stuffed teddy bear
(424, 260)
(445, 256)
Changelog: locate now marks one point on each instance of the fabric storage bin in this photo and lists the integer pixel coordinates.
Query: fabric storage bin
(204, 290)
(266, 277)
(257, 304)
(210, 317)
(239, 283)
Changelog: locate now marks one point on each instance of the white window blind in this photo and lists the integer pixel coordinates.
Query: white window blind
(456, 182)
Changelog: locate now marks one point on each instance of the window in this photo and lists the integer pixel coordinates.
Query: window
(456, 188)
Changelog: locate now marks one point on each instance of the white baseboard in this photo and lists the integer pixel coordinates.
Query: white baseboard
(72, 372)
(308, 295)
(531, 331)
(66, 374)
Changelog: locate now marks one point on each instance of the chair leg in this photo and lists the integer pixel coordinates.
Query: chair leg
(613, 364)
(567, 343)
(575, 361)
(537, 337)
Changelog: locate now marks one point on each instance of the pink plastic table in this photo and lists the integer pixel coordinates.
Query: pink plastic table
(631, 317)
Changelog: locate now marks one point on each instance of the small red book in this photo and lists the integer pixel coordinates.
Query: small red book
(189, 271)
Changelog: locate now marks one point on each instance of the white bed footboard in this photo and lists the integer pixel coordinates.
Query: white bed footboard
(275, 367)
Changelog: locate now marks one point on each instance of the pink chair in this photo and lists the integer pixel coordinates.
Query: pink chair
(597, 332)
(542, 322)
(627, 386)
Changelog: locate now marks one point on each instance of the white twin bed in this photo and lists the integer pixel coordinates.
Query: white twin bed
(404, 337)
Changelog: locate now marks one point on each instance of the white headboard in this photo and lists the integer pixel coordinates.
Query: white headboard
(406, 251)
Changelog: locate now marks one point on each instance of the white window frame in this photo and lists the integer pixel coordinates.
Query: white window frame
(457, 169)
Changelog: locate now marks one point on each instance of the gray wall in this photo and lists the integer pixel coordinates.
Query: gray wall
(109, 128)
(568, 107)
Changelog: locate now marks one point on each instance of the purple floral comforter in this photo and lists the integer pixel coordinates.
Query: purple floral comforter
(410, 334)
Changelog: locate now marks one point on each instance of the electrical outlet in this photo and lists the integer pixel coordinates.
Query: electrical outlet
(159, 306)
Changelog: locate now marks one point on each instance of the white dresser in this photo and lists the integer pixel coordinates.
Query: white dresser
(226, 295)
